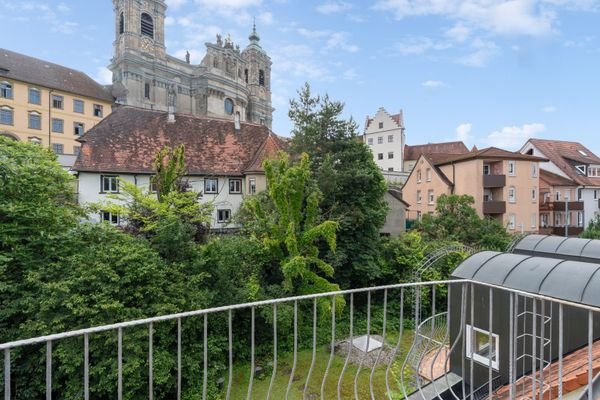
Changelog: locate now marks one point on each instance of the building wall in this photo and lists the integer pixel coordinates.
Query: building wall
(395, 221)
(392, 137)
(90, 185)
(21, 109)
(414, 185)
(590, 197)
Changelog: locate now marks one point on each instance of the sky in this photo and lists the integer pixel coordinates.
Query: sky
(488, 72)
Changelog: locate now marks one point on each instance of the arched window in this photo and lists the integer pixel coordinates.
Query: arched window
(147, 26)
(228, 106)
(261, 77)
(121, 24)
(6, 115)
(10, 136)
(6, 90)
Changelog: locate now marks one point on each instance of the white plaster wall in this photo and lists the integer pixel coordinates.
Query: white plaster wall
(89, 192)
(548, 166)
(590, 206)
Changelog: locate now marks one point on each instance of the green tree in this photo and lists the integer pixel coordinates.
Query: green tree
(351, 183)
(593, 229)
(455, 219)
(172, 219)
(290, 228)
(37, 216)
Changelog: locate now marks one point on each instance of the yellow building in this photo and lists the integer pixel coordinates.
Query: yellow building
(47, 103)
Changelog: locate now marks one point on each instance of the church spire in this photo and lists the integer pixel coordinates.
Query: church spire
(254, 38)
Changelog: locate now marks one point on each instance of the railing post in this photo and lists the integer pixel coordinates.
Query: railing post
(150, 362)
(49, 370)
(7, 374)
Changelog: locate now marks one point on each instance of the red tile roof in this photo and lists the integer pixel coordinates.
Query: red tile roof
(38, 72)
(491, 153)
(412, 153)
(566, 155)
(575, 376)
(552, 179)
(128, 139)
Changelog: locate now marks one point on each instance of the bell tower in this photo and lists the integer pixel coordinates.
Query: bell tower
(258, 80)
(140, 27)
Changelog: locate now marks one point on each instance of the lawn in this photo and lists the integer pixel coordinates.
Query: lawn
(261, 384)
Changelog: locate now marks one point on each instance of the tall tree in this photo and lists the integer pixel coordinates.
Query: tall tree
(351, 183)
(290, 228)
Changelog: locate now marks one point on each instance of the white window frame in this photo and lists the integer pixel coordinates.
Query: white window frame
(534, 170)
(113, 184)
(78, 101)
(98, 110)
(235, 185)
(379, 139)
(113, 219)
(534, 193)
(390, 155)
(596, 171)
(419, 175)
(7, 90)
(512, 198)
(487, 169)
(419, 197)
(390, 138)
(252, 186)
(533, 221)
(208, 184)
(557, 195)
(512, 222)
(431, 197)
(224, 220)
(512, 168)
(477, 357)
(428, 174)
(370, 141)
(58, 102)
(581, 169)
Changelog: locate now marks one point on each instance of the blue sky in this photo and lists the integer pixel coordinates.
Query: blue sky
(490, 72)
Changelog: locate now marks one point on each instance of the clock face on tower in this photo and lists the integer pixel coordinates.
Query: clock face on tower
(147, 44)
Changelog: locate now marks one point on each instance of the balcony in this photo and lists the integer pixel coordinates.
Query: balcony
(551, 206)
(339, 345)
(561, 230)
(494, 181)
(494, 207)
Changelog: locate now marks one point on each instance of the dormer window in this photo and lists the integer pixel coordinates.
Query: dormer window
(594, 171)
(581, 169)
(147, 26)
(583, 153)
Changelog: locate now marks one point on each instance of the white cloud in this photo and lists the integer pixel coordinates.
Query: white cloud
(312, 34)
(66, 27)
(104, 76)
(331, 7)
(458, 33)
(176, 3)
(433, 84)
(229, 4)
(340, 40)
(63, 8)
(463, 132)
(419, 45)
(169, 21)
(508, 17)
(265, 18)
(549, 109)
(512, 137)
(482, 52)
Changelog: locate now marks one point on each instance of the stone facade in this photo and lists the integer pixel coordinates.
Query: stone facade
(384, 134)
(229, 83)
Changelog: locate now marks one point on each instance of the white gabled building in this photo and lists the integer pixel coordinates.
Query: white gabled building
(223, 158)
(384, 134)
(575, 162)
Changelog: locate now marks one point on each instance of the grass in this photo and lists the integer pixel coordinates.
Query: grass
(261, 384)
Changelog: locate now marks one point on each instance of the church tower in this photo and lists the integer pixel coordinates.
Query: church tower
(258, 80)
(140, 41)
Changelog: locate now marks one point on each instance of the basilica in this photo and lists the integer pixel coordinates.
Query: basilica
(230, 82)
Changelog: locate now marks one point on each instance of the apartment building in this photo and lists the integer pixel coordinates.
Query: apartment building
(48, 104)
(504, 184)
(561, 213)
(574, 162)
